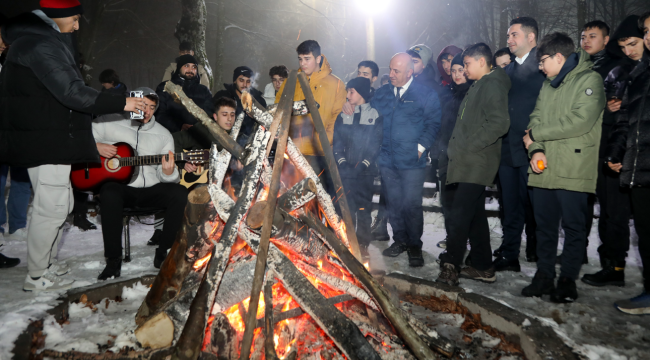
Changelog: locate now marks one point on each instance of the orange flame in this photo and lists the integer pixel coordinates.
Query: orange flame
(200, 262)
(367, 266)
(286, 156)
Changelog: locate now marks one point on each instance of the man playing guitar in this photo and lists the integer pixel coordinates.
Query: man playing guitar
(151, 185)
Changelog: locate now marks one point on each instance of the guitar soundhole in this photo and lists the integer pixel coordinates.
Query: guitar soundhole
(113, 164)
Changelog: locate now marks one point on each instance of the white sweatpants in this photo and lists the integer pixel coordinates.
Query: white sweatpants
(53, 202)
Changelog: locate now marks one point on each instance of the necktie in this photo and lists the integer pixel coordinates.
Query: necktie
(399, 96)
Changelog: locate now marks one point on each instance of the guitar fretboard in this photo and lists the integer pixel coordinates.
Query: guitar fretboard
(146, 159)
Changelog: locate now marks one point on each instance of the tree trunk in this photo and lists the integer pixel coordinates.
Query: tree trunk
(191, 28)
(221, 25)
(582, 15)
(504, 20)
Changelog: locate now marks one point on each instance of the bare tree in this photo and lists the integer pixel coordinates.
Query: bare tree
(191, 28)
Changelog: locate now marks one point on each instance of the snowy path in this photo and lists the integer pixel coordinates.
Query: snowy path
(592, 322)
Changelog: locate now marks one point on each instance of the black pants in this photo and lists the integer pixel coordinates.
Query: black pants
(404, 190)
(550, 206)
(359, 192)
(641, 210)
(465, 219)
(319, 164)
(80, 203)
(615, 211)
(115, 197)
(517, 209)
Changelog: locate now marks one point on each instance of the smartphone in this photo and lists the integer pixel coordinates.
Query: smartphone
(137, 115)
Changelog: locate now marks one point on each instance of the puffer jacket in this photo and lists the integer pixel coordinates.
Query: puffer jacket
(474, 150)
(329, 92)
(172, 115)
(566, 125)
(448, 122)
(147, 139)
(412, 120)
(45, 106)
(357, 138)
(629, 142)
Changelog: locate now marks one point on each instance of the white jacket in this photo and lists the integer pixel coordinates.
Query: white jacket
(147, 139)
(269, 94)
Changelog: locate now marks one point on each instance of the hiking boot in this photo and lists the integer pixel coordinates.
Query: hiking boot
(541, 285)
(487, 276)
(7, 262)
(112, 269)
(394, 249)
(59, 268)
(503, 264)
(82, 222)
(415, 256)
(159, 258)
(448, 274)
(638, 305)
(47, 282)
(612, 273)
(565, 291)
(379, 230)
(155, 238)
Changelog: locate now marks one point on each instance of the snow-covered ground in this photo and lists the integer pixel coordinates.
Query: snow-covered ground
(591, 325)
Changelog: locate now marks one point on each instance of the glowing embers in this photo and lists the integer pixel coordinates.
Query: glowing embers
(198, 264)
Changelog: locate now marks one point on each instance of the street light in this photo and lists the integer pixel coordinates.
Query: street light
(371, 7)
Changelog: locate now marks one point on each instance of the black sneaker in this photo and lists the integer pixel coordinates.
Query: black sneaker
(565, 291)
(80, 221)
(155, 238)
(503, 264)
(415, 256)
(112, 269)
(541, 285)
(613, 273)
(488, 276)
(379, 230)
(394, 250)
(448, 274)
(7, 262)
(159, 258)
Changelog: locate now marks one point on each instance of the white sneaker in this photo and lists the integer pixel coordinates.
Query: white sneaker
(47, 282)
(59, 268)
(19, 235)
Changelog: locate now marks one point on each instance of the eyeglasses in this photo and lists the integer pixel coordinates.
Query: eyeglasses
(542, 60)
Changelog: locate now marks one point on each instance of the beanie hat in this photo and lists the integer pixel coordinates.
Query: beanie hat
(61, 8)
(361, 85)
(458, 60)
(183, 60)
(423, 51)
(629, 27)
(242, 70)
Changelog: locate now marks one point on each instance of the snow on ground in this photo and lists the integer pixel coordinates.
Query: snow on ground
(591, 325)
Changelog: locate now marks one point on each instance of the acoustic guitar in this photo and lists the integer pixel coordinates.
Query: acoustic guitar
(121, 167)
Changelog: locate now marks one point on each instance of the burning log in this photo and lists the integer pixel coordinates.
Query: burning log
(394, 314)
(299, 108)
(219, 160)
(299, 195)
(222, 339)
(269, 345)
(189, 343)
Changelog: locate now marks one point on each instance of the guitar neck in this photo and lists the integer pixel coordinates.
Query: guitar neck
(147, 159)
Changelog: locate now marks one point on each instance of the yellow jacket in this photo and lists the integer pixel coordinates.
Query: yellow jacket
(329, 92)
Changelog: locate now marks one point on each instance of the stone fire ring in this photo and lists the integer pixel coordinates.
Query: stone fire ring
(537, 341)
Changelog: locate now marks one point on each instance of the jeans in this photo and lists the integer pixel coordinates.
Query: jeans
(466, 218)
(404, 190)
(550, 206)
(359, 192)
(640, 200)
(115, 197)
(18, 201)
(517, 209)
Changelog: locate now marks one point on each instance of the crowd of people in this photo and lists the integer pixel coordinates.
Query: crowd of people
(554, 125)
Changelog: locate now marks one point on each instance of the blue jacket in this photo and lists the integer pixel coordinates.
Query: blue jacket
(413, 120)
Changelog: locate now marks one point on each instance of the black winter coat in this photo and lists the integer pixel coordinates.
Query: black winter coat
(630, 138)
(357, 140)
(428, 79)
(120, 89)
(173, 115)
(45, 106)
(448, 121)
(230, 91)
(604, 63)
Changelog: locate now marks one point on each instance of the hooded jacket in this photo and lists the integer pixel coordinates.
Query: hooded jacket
(448, 122)
(453, 50)
(329, 92)
(475, 147)
(230, 91)
(629, 142)
(172, 115)
(45, 106)
(566, 126)
(357, 139)
(147, 139)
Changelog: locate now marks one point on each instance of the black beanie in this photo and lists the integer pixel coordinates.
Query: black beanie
(629, 27)
(361, 85)
(183, 60)
(458, 60)
(242, 70)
